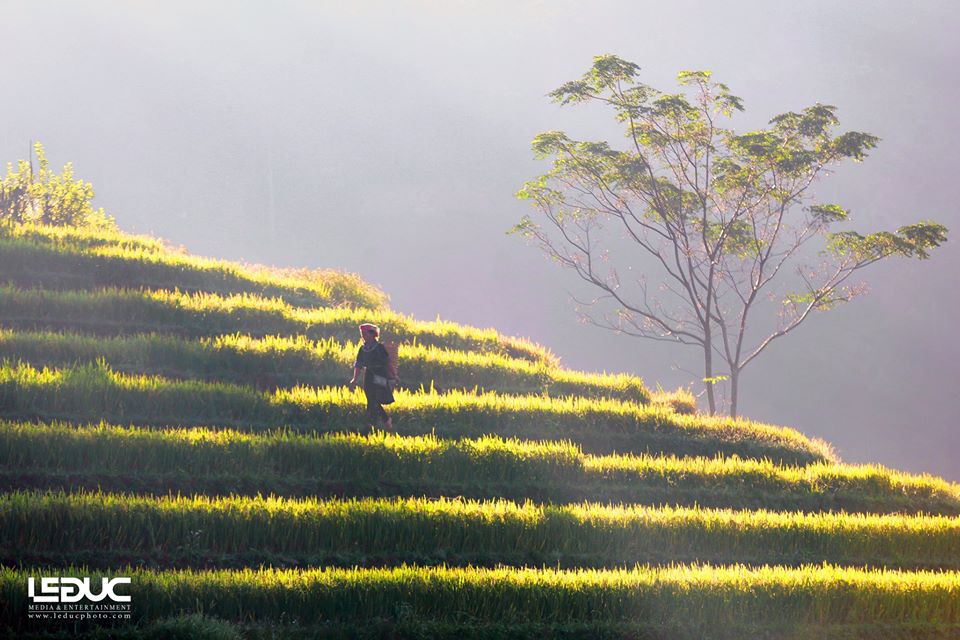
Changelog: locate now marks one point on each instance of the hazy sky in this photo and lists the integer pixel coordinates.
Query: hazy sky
(388, 138)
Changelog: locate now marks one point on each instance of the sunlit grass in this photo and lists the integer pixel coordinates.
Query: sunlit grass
(277, 361)
(531, 441)
(66, 257)
(693, 595)
(94, 391)
(116, 311)
(680, 400)
(205, 460)
(492, 530)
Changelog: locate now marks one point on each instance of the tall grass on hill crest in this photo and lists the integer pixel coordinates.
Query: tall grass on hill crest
(127, 311)
(81, 258)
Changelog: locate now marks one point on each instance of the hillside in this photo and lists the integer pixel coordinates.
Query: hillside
(185, 421)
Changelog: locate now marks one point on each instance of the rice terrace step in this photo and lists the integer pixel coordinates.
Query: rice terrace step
(190, 427)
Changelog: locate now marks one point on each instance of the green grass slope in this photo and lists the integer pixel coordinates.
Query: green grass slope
(68, 258)
(94, 391)
(283, 462)
(183, 421)
(275, 362)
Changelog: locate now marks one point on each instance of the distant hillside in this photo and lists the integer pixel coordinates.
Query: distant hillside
(185, 421)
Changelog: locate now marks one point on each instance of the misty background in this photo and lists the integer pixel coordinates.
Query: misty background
(388, 139)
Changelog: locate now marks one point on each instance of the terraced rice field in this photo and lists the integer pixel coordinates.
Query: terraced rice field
(184, 422)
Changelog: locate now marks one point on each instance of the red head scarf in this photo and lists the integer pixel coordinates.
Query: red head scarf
(366, 326)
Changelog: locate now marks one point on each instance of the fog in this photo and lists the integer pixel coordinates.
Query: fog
(389, 138)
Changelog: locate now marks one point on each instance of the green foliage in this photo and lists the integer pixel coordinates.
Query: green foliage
(15, 197)
(606, 72)
(911, 241)
(828, 213)
(48, 197)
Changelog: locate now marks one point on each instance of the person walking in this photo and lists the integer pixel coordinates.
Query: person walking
(378, 381)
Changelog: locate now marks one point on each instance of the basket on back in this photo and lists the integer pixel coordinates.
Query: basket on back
(393, 358)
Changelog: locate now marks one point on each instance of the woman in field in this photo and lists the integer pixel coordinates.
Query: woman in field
(378, 380)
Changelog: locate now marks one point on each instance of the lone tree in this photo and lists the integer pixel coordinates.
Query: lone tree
(725, 219)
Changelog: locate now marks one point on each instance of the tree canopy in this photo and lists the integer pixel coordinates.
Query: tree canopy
(724, 223)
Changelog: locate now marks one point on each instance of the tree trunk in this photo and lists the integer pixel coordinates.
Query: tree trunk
(734, 382)
(708, 374)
